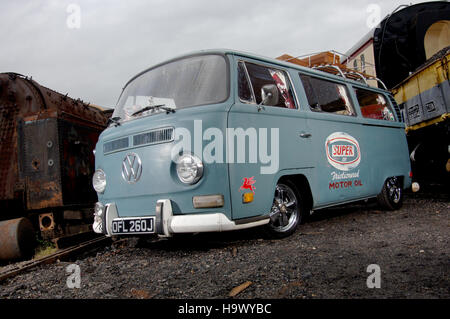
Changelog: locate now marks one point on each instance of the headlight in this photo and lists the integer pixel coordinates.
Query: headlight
(99, 181)
(189, 169)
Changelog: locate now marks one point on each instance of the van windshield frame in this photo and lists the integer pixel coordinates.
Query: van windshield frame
(194, 80)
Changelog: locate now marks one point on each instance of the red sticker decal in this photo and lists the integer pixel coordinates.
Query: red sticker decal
(248, 184)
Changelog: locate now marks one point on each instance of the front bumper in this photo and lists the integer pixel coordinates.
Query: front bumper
(167, 224)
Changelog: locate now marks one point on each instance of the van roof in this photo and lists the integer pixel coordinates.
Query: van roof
(260, 58)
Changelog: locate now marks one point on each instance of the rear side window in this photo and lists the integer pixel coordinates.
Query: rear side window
(327, 96)
(374, 105)
(259, 76)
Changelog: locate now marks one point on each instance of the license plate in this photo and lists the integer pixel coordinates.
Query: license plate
(133, 225)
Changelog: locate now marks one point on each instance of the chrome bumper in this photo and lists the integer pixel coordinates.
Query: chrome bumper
(167, 224)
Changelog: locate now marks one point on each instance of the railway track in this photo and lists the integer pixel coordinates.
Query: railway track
(59, 255)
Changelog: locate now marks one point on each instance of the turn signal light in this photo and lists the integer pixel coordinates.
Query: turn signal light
(208, 201)
(247, 198)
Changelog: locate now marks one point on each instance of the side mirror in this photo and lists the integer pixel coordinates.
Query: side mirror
(269, 95)
(316, 107)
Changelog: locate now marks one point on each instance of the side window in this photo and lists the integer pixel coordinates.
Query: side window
(260, 76)
(374, 105)
(327, 96)
(244, 89)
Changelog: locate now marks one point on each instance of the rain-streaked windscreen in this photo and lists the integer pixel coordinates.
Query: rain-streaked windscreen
(192, 81)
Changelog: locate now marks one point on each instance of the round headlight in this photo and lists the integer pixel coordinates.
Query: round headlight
(99, 181)
(189, 169)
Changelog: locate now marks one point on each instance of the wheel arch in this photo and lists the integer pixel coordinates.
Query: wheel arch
(401, 178)
(303, 186)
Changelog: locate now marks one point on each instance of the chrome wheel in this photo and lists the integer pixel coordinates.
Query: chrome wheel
(391, 196)
(284, 215)
(394, 190)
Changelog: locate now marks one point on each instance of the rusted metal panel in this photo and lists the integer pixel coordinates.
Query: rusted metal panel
(43, 194)
(40, 163)
(46, 143)
(76, 143)
(8, 139)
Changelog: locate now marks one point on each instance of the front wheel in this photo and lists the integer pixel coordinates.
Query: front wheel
(391, 196)
(286, 212)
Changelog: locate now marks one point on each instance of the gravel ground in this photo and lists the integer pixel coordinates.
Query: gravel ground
(326, 258)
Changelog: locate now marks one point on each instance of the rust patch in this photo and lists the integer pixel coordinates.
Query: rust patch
(46, 222)
(44, 194)
(17, 239)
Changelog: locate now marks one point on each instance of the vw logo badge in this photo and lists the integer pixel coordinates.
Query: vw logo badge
(131, 168)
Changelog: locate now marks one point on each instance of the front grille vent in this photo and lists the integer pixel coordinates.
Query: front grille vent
(115, 145)
(162, 135)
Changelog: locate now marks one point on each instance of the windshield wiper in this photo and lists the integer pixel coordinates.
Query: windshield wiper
(114, 120)
(154, 107)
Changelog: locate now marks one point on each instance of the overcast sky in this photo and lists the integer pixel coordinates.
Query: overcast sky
(117, 39)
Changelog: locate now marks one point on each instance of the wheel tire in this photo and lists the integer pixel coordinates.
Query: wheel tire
(391, 196)
(285, 218)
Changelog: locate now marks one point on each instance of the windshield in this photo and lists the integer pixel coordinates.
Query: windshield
(192, 81)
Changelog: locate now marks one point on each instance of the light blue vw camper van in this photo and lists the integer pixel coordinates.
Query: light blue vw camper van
(223, 140)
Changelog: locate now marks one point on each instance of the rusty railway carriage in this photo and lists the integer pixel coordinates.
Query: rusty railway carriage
(424, 98)
(46, 163)
(409, 52)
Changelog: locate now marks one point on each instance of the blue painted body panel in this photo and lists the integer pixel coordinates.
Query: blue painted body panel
(159, 179)
(380, 145)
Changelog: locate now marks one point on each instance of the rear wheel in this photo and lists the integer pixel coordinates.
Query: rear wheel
(286, 212)
(391, 196)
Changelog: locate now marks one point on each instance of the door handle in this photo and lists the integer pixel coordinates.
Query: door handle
(305, 135)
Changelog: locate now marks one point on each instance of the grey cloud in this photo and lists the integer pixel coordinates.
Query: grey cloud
(117, 39)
